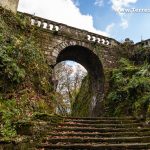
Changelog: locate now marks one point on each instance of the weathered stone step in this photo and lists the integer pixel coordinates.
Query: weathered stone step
(100, 118)
(95, 146)
(72, 124)
(97, 134)
(103, 121)
(91, 129)
(56, 140)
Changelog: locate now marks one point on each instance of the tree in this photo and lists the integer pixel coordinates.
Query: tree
(69, 76)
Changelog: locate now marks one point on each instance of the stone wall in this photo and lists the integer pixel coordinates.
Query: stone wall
(10, 4)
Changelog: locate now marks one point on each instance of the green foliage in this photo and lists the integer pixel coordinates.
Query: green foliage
(9, 113)
(129, 89)
(141, 56)
(21, 59)
(25, 85)
(81, 105)
(9, 68)
(141, 105)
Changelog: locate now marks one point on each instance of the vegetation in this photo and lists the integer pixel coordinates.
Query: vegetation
(81, 105)
(25, 85)
(130, 86)
(26, 90)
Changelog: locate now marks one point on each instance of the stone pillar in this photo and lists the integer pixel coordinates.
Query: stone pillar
(10, 4)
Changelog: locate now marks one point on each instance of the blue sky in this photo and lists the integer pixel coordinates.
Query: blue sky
(104, 15)
(96, 16)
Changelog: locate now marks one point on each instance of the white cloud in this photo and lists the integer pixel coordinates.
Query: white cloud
(63, 11)
(109, 28)
(118, 4)
(99, 3)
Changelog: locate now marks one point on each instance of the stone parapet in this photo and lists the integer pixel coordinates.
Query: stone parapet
(71, 32)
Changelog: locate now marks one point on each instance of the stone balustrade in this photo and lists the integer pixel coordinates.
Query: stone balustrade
(72, 32)
(44, 24)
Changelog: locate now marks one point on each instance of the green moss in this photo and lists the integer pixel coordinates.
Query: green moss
(24, 127)
(81, 106)
(53, 118)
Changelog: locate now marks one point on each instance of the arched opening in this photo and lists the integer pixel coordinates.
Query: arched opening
(93, 65)
(69, 76)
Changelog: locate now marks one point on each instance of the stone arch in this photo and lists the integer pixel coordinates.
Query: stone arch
(57, 49)
(88, 59)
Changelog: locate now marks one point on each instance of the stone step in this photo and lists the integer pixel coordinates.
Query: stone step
(62, 139)
(91, 129)
(97, 134)
(100, 118)
(102, 121)
(72, 124)
(95, 146)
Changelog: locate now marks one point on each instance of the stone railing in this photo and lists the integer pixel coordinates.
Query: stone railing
(72, 32)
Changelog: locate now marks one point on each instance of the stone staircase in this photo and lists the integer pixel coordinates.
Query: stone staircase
(103, 133)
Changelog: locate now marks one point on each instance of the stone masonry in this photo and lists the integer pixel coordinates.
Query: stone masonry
(10, 4)
(61, 42)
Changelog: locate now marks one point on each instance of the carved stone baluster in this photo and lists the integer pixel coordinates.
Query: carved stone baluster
(54, 27)
(93, 38)
(101, 41)
(48, 25)
(97, 40)
(87, 37)
(109, 42)
(36, 22)
(58, 27)
(42, 24)
(105, 42)
(32, 20)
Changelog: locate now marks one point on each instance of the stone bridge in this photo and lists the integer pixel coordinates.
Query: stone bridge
(61, 42)
(54, 37)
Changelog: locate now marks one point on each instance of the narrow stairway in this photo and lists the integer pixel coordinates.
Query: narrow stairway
(104, 133)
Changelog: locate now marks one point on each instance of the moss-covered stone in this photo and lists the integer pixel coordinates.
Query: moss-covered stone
(53, 118)
(24, 127)
(81, 106)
